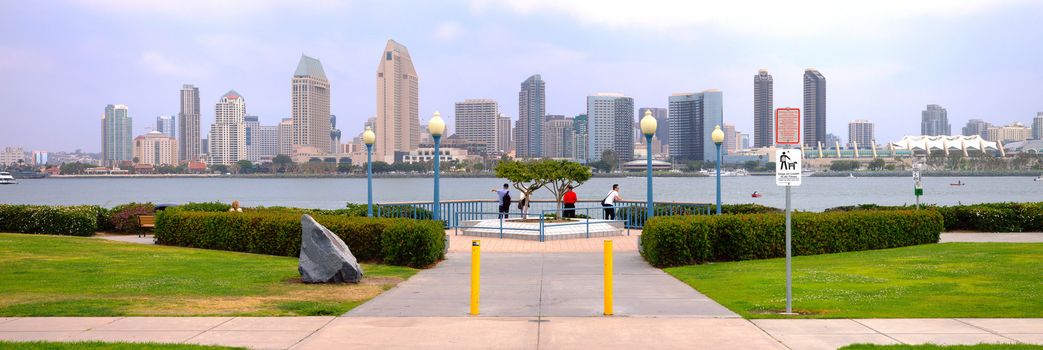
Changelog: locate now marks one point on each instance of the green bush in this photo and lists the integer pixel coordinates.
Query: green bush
(987, 217)
(204, 206)
(124, 218)
(748, 208)
(56, 220)
(278, 232)
(682, 240)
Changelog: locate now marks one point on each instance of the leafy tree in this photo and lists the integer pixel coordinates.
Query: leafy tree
(381, 167)
(221, 168)
(844, 165)
(610, 158)
(246, 167)
(344, 168)
(554, 175)
(876, 164)
(750, 165)
(601, 166)
(73, 168)
(282, 162)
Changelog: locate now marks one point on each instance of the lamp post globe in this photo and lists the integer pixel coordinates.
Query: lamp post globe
(718, 138)
(369, 138)
(436, 127)
(648, 126)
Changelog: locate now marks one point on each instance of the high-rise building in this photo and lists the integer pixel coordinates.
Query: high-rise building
(693, 117)
(830, 140)
(558, 136)
(398, 104)
(731, 139)
(532, 106)
(334, 135)
(476, 120)
(744, 141)
(228, 133)
(1008, 133)
(503, 133)
(763, 107)
(116, 139)
(155, 148)
(610, 125)
(935, 121)
(860, 131)
(189, 131)
(310, 105)
(662, 118)
(814, 107)
(976, 127)
(165, 125)
(39, 158)
(262, 141)
(12, 156)
(285, 138)
(1037, 126)
(580, 141)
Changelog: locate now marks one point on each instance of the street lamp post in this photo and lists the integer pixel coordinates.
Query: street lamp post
(369, 138)
(718, 138)
(436, 127)
(648, 126)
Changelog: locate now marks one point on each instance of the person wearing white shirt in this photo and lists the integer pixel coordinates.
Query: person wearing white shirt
(610, 201)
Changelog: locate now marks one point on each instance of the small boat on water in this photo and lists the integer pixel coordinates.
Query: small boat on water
(958, 183)
(1038, 178)
(756, 195)
(850, 175)
(7, 179)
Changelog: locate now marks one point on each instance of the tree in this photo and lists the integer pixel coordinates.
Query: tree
(221, 168)
(844, 165)
(246, 167)
(554, 175)
(73, 168)
(381, 167)
(601, 166)
(876, 164)
(610, 158)
(750, 165)
(282, 162)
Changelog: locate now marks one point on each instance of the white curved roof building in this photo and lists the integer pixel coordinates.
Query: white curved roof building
(959, 143)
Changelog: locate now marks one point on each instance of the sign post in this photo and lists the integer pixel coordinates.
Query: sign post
(917, 186)
(788, 173)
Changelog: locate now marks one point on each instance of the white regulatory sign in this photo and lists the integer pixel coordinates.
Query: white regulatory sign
(787, 167)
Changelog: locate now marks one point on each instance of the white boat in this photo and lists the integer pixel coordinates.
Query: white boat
(725, 173)
(6, 178)
(850, 175)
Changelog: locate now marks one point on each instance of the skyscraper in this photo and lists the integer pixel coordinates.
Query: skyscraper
(662, 117)
(262, 141)
(285, 138)
(476, 121)
(503, 133)
(610, 125)
(155, 148)
(580, 141)
(860, 131)
(532, 106)
(165, 125)
(1037, 126)
(763, 106)
(975, 127)
(228, 133)
(814, 113)
(116, 142)
(693, 117)
(558, 136)
(189, 132)
(935, 121)
(398, 104)
(310, 100)
(334, 135)
(731, 139)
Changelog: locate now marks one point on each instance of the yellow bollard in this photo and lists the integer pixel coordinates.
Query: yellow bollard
(476, 270)
(608, 278)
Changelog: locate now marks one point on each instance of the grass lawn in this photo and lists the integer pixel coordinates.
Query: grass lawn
(943, 347)
(935, 280)
(72, 276)
(104, 346)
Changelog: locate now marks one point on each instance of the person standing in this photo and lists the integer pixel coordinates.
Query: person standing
(570, 203)
(503, 201)
(523, 205)
(610, 201)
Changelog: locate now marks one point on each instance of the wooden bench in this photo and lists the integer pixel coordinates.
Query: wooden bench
(146, 222)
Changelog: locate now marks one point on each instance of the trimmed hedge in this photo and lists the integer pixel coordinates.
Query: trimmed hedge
(404, 242)
(682, 240)
(79, 220)
(987, 217)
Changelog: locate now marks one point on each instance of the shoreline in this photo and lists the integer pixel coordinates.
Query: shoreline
(1011, 173)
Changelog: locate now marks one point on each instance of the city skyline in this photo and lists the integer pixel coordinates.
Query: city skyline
(478, 50)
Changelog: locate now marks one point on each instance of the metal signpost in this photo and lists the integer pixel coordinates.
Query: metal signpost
(787, 173)
(917, 186)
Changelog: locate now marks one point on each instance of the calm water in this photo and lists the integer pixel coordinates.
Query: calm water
(817, 193)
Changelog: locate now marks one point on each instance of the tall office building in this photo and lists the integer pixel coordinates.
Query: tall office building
(934, 121)
(975, 127)
(693, 117)
(532, 106)
(310, 105)
(662, 118)
(156, 148)
(285, 138)
(580, 141)
(814, 113)
(744, 141)
(763, 110)
(503, 133)
(610, 125)
(731, 139)
(398, 104)
(228, 133)
(188, 125)
(334, 135)
(860, 131)
(558, 136)
(262, 141)
(1037, 126)
(165, 125)
(831, 140)
(116, 140)
(476, 121)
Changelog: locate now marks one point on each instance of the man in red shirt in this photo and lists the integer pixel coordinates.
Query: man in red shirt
(570, 203)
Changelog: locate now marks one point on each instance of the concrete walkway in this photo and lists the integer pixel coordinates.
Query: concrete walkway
(1005, 237)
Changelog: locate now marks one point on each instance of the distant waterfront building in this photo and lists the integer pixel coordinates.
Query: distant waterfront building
(693, 117)
(610, 125)
(662, 117)
(860, 131)
(262, 141)
(228, 133)
(1037, 126)
(398, 106)
(558, 136)
(204, 147)
(503, 133)
(831, 141)
(165, 125)
(188, 123)
(156, 148)
(40, 158)
(935, 121)
(476, 120)
(744, 141)
(1008, 133)
(814, 113)
(763, 110)
(285, 137)
(532, 107)
(334, 135)
(580, 140)
(12, 156)
(116, 139)
(310, 105)
(731, 139)
(976, 127)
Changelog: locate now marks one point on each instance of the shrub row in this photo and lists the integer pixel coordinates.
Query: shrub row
(987, 217)
(403, 242)
(682, 240)
(57, 220)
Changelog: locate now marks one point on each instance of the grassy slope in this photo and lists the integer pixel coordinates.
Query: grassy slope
(104, 346)
(937, 280)
(69, 276)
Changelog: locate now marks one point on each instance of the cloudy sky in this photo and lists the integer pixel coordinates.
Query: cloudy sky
(884, 60)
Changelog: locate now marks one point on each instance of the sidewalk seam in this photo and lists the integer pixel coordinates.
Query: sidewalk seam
(878, 332)
(313, 332)
(208, 329)
(989, 331)
(767, 333)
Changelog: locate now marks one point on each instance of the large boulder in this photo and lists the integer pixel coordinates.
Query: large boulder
(324, 256)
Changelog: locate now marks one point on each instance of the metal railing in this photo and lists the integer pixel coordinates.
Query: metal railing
(543, 217)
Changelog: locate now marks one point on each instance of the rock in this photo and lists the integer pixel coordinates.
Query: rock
(324, 256)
